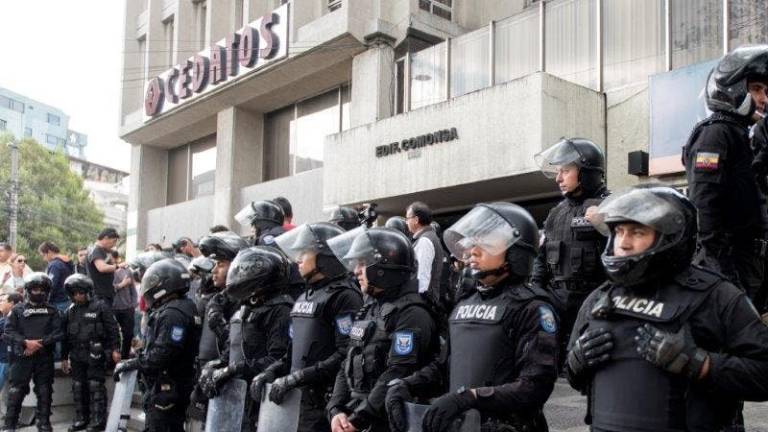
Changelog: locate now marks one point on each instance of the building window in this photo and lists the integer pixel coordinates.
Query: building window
(27, 131)
(203, 178)
(3, 124)
(334, 5)
(748, 22)
(696, 29)
(192, 170)
(294, 136)
(441, 8)
(50, 139)
(12, 104)
(54, 119)
(168, 29)
(201, 9)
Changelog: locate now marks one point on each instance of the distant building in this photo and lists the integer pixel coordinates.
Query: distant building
(108, 187)
(48, 125)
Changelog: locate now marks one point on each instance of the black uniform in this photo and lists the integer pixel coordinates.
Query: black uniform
(91, 336)
(389, 339)
(511, 332)
(568, 265)
(321, 321)
(718, 165)
(167, 363)
(722, 321)
(28, 321)
(267, 238)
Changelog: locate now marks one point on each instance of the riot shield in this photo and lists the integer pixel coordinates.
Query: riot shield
(470, 422)
(283, 417)
(414, 414)
(225, 411)
(120, 410)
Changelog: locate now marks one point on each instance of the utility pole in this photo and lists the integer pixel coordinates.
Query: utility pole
(12, 229)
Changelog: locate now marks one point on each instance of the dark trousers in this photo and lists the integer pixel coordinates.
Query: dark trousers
(39, 368)
(567, 304)
(126, 319)
(165, 406)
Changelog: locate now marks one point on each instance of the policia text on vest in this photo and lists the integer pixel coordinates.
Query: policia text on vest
(420, 141)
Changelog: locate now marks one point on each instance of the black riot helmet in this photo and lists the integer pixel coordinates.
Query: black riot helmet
(497, 228)
(78, 283)
(398, 223)
(41, 281)
(345, 217)
(261, 215)
(142, 261)
(222, 245)
(256, 273)
(582, 153)
(662, 208)
(162, 280)
(727, 84)
(313, 238)
(385, 252)
(202, 267)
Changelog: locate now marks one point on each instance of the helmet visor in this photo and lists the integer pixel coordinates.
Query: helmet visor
(640, 206)
(341, 245)
(244, 216)
(483, 228)
(297, 241)
(551, 159)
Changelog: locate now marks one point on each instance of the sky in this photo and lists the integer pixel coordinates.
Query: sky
(68, 54)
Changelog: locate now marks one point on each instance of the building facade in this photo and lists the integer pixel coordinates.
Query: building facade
(340, 102)
(48, 125)
(107, 187)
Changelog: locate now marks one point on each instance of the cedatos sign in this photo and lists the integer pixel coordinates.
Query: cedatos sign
(252, 47)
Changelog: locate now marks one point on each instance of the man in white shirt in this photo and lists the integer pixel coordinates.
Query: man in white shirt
(427, 248)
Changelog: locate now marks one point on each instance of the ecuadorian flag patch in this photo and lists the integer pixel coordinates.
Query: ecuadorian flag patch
(708, 161)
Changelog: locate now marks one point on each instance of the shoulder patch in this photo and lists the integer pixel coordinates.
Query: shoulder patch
(268, 239)
(177, 333)
(403, 342)
(707, 161)
(344, 324)
(547, 319)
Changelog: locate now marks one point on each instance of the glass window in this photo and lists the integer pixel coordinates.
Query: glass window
(469, 62)
(428, 76)
(441, 8)
(27, 131)
(54, 119)
(748, 22)
(517, 46)
(277, 142)
(12, 104)
(633, 42)
(696, 27)
(178, 177)
(400, 86)
(203, 179)
(333, 5)
(169, 41)
(571, 39)
(346, 98)
(51, 139)
(3, 124)
(316, 118)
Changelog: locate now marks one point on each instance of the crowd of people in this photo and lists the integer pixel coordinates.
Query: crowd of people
(648, 302)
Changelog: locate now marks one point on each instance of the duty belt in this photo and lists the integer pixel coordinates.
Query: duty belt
(577, 285)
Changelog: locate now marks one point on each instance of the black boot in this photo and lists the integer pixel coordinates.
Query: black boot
(98, 406)
(13, 407)
(81, 406)
(44, 399)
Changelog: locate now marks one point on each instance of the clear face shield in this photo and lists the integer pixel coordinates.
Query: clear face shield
(641, 206)
(297, 241)
(341, 246)
(244, 216)
(483, 228)
(552, 159)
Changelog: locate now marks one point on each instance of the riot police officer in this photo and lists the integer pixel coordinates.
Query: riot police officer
(345, 217)
(719, 168)
(173, 334)
(393, 334)
(265, 219)
(321, 320)
(502, 346)
(32, 330)
(399, 223)
(568, 264)
(214, 306)
(686, 342)
(91, 330)
(258, 332)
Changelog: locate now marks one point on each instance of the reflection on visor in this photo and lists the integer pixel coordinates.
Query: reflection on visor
(243, 217)
(342, 244)
(552, 159)
(642, 206)
(297, 241)
(483, 228)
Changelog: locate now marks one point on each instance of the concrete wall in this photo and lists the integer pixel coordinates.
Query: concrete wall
(500, 129)
(190, 218)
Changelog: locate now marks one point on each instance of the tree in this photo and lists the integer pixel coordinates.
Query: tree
(53, 205)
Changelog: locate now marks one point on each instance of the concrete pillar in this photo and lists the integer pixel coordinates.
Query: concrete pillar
(239, 159)
(373, 82)
(148, 188)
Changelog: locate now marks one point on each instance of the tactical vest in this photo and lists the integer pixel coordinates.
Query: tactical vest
(254, 340)
(435, 288)
(85, 324)
(573, 246)
(476, 326)
(183, 369)
(36, 321)
(314, 337)
(629, 392)
(209, 344)
(370, 342)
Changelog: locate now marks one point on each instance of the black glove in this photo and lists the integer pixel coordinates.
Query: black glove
(283, 385)
(673, 352)
(125, 366)
(590, 350)
(215, 379)
(443, 412)
(259, 382)
(397, 394)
